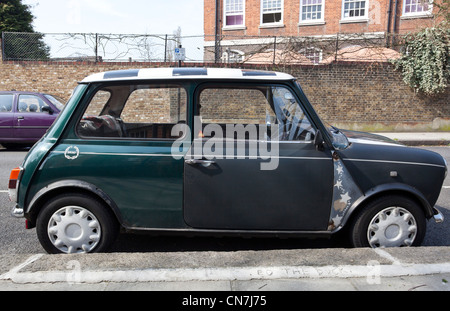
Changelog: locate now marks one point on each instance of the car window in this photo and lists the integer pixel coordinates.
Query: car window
(6, 102)
(30, 103)
(55, 100)
(273, 110)
(134, 112)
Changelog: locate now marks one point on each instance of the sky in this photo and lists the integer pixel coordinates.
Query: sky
(148, 17)
(117, 16)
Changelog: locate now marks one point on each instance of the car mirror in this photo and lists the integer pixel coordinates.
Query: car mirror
(340, 141)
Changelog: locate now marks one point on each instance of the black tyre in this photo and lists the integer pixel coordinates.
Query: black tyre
(76, 223)
(390, 221)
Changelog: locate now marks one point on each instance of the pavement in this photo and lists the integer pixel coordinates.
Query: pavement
(259, 272)
(419, 138)
(331, 269)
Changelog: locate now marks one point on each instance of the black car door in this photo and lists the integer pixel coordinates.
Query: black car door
(253, 163)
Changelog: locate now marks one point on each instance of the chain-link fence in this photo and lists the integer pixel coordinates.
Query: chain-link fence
(97, 47)
(94, 47)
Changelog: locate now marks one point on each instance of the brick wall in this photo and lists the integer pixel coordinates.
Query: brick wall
(377, 16)
(371, 97)
(351, 95)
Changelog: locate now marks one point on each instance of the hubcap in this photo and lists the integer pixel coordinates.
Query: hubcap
(392, 227)
(74, 229)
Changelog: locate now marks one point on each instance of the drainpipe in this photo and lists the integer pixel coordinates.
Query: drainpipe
(216, 34)
(388, 31)
(394, 30)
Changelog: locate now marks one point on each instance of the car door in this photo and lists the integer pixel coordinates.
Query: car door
(31, 120)
(6, 117)
(121, 145)
(253, 163)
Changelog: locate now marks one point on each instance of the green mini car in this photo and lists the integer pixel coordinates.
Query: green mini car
(209, 151)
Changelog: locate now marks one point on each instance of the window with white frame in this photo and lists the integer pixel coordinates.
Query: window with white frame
(355, 9)
(271, 12)
(233, 56)
(311, 11)
(313, 54)
(416, 7)
(234, 13)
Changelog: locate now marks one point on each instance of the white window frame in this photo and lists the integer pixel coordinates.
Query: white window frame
(426, 13)
(355, 19)
(317, 21)
(225, 14)
(233, 60)
(319, 52)
(275, 24)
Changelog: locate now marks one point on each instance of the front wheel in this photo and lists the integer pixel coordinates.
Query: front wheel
(75, 223)
(390, 221)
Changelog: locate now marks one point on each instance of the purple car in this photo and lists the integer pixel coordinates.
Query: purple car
(25, 116)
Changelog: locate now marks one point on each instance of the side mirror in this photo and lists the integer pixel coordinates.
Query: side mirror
(47, 109)
(318, 141)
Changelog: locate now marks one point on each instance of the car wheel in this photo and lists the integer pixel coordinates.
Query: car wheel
(390, 221)
(76, 223)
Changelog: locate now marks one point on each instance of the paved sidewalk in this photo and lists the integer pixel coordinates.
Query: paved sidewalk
(419, 138)
(396, 269)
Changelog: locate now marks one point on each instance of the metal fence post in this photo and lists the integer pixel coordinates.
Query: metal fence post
(337, 47)
(274, 48)
(3, 46)
(165, 49)
(96, 47)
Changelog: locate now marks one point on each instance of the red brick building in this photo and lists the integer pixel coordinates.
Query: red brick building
(236, 23)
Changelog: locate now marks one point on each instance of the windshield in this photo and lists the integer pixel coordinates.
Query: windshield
(55, 100)
(339, 140)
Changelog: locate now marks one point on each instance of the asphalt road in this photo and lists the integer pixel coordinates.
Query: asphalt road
(14, 239)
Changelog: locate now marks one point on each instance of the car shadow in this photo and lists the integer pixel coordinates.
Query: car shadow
(148, 243)
(25, 148)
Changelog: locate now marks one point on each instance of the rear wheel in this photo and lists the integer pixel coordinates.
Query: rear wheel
(390, 221)
(76, 223)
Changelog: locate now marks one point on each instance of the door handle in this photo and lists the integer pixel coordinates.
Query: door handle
(20, 118)
(204, 163)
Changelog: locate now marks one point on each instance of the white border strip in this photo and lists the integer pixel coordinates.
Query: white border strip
(74, 274)
(227, 273)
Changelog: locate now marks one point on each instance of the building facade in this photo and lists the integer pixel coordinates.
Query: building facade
(230, 25)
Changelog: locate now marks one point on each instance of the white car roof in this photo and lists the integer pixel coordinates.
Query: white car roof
(186, 73)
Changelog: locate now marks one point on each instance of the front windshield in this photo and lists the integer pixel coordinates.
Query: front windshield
(339, 140)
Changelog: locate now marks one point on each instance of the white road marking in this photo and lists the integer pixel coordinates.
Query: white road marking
(14, 271)
(228, 274)
(382, 253)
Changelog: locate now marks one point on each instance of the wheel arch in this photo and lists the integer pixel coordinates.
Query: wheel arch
(68, 186)
(387, 190)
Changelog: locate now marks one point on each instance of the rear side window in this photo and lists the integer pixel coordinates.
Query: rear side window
(6, 102)
(134, 112)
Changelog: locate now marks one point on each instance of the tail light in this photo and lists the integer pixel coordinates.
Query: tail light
(13, 186)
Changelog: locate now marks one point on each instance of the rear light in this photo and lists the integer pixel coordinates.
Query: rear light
(13, 185)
